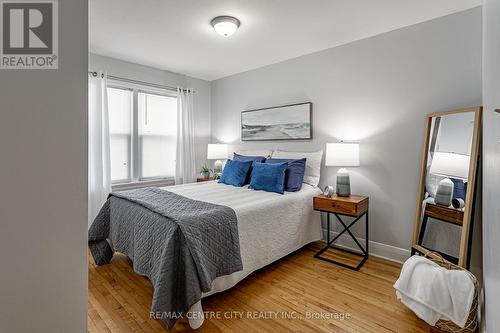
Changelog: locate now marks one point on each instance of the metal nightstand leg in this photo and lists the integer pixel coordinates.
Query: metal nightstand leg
(330, 244)
(366, 237)
(328, 228)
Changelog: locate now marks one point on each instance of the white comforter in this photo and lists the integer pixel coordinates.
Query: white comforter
(270, 225)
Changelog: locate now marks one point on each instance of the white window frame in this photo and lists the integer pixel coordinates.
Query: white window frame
(136, 181)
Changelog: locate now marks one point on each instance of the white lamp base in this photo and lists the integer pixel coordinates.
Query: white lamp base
(218, 167)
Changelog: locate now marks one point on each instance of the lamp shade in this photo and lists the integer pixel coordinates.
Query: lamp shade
(342, 154)
(217, 151)
(450, 164)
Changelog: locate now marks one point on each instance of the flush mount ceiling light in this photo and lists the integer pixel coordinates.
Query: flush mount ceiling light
(225, 25)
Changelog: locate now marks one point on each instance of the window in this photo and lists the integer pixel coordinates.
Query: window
(157, 135)
(143, 134)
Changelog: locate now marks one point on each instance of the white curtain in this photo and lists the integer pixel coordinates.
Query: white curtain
(185, 164)
(99, 161)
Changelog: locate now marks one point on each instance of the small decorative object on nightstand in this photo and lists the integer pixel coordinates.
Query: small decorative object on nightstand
(353, 206)
(328, 191)
(343, 155)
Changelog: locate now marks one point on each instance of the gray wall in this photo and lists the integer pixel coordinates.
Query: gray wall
(148, 74)
(491, 164)
(43, 197)
(375, 91)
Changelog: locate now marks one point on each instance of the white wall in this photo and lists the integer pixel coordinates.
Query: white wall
(491, 163)
(375, 91)
(43, 197)
(148, 74)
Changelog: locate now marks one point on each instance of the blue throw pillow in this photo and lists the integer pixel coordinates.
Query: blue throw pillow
(294, 175)
(269, 177)
(235, 172)
(238, 157)
(459, 189)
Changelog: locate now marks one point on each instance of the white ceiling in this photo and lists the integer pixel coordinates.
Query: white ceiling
(177, 36)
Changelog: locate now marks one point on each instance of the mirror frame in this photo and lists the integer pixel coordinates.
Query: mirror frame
(463, 257)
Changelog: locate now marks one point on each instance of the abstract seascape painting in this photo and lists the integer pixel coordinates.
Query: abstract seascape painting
(289, 122)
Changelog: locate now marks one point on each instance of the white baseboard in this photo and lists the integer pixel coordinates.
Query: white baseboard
(379, 250)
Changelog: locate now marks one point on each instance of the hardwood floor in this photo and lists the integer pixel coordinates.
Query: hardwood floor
(296, 286)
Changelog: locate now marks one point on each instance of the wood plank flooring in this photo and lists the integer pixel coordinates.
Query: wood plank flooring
(296, 294)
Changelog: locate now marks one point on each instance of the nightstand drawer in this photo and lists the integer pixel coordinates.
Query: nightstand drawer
(352, 206)
(445, 214)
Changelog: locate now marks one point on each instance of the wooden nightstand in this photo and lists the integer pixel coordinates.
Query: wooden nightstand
(354, 206)
(200, 180)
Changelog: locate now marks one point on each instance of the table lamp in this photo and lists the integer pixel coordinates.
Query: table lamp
(343, 155)
(217, 152)
(448, 165)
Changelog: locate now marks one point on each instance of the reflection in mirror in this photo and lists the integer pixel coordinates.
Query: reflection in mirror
(450, 143)
(449, 158)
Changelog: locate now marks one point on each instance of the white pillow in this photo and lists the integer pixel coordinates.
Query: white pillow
(313, 163)
(263, 153)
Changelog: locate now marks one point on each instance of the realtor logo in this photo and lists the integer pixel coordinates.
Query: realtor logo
(29, 34)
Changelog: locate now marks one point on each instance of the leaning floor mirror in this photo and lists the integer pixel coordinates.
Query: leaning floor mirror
(448, 172)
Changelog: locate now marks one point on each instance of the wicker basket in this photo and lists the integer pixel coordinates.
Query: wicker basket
(471, 324)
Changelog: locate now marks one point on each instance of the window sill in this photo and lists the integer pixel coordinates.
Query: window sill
(143, 183)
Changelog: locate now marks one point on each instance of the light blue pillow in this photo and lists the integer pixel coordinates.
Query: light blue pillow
(268, 177)
(235, 172)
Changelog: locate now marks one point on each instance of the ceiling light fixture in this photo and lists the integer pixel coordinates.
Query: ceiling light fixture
(225, 25)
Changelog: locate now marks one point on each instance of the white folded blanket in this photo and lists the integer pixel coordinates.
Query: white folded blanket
(433, 292)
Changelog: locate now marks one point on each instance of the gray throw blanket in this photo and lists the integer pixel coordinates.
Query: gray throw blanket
(180, 244)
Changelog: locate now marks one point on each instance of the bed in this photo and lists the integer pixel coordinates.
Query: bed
(270, 226)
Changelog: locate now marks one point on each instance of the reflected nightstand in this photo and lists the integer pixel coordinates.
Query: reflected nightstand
(444, 214)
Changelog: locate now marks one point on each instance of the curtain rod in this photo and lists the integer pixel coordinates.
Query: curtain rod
(143, 83)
